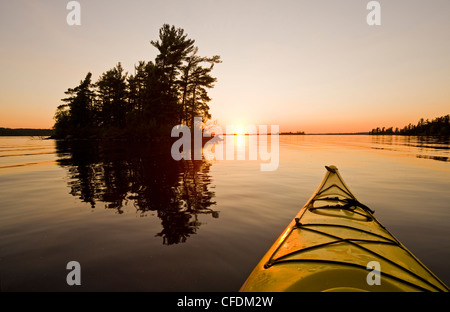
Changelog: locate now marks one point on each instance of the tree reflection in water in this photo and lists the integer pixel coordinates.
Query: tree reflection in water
(117, 173)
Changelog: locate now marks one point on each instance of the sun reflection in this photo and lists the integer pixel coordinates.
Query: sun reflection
(240, 140)
(239, 132)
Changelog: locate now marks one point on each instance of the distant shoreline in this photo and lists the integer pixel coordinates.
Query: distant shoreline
(49, 134)
(339, 133)
(25, 132)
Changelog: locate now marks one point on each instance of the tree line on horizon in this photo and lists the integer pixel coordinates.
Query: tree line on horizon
(25, 132)
(439, 126)
(160, 94)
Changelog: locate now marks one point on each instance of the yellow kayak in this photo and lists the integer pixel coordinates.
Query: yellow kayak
(336, 244)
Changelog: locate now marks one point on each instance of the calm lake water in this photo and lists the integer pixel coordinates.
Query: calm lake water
(136, 220)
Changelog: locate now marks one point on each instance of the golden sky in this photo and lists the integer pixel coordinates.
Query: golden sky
(314, 66)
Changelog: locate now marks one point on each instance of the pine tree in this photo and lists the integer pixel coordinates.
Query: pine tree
(75, 116)
(194, 82)
(112, 105)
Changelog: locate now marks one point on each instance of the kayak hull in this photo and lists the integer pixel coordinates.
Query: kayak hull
(335, 243)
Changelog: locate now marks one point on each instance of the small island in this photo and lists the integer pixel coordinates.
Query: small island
(171, 90)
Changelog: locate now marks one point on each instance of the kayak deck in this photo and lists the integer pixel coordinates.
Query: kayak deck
(332, 244)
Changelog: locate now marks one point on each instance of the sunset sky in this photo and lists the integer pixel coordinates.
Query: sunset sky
(314, 66)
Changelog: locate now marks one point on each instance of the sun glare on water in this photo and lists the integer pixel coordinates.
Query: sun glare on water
(239, 132)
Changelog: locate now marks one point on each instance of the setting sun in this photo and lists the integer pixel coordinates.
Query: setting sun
(239, 130)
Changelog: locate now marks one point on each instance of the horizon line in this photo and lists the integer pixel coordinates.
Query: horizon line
(269, 133)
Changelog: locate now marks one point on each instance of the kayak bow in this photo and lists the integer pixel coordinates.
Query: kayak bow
(336, 244)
